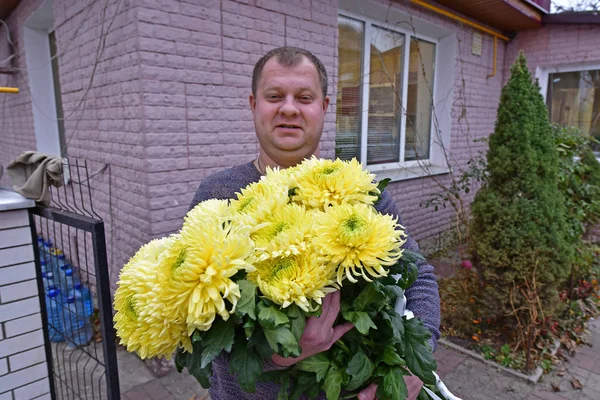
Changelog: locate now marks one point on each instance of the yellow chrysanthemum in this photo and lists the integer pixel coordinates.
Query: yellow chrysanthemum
(284, 233)
(322, 183)
(358, 239)
(211, 252)
(258, 200)
(299, 279)
(214, 207)
(140, 320)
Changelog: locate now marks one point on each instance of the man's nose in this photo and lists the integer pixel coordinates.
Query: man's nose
(289, 108)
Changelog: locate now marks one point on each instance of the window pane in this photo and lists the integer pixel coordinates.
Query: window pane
(57, 94)
(419, 101)
(574, 100)
(350, 51)
(385, 93)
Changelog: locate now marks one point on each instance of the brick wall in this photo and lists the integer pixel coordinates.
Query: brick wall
(556, 45)
(168, 102)
(23, 368)
(197, 64)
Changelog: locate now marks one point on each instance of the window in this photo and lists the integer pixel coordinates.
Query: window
(384, 116)
(573, 99)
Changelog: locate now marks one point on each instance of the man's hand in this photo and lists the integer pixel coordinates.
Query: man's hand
(319, 333)
(413, 384)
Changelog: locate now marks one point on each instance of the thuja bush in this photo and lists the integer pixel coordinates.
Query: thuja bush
(519, 241)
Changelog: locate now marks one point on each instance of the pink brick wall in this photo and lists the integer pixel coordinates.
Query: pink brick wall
(168, 103)
(556, 45)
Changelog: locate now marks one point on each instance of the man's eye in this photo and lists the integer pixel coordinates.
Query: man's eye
(273, 97)
(305, 98)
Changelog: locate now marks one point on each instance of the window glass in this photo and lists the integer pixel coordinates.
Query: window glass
(419, 100)
(348, 101)
(385, 94)
(574, 100)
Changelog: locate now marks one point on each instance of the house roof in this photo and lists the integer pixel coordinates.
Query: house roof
(504, 15)
(572, 18)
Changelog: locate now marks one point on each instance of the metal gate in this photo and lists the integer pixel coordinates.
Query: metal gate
(74, 287)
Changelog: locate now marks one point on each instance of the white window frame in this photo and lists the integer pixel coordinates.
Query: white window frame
(542, 74)
(445, 49)
(40, 79)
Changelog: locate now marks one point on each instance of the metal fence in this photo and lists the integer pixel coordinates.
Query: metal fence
(74, 287)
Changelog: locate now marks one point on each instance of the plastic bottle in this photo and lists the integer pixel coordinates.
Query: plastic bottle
(56, 256)
(78, 330)
(49, 281)
(54, 310)
(47, 247)
(83, 296)
(69, 281)
(44, 266)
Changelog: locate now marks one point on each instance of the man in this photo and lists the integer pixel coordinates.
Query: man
(289, 102)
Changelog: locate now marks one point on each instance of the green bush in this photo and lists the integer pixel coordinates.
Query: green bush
(579, 181)
(519, 236)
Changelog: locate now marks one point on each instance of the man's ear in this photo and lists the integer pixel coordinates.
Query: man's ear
(252, 102)
(326, 103)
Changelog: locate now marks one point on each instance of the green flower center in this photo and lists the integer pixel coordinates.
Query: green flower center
(180, 259)
(129, 309)
(279, 269)
(328, 170)
(354, 224)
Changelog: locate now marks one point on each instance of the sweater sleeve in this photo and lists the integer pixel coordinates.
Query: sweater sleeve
(422, 297)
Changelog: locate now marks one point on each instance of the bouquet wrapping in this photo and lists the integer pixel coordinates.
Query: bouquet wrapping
(243, 275)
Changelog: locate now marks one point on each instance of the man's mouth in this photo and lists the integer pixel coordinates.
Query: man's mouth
(288, 126)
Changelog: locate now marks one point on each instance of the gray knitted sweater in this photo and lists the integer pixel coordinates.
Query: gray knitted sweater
(422, 296)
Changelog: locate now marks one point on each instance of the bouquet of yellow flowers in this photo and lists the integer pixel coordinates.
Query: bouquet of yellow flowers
(242, 276)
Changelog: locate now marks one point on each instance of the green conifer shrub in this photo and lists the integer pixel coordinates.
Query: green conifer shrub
(518, 229)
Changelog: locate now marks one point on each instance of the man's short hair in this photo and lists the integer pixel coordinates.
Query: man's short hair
(289, 56)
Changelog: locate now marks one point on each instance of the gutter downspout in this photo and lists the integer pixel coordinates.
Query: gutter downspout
(465, 21)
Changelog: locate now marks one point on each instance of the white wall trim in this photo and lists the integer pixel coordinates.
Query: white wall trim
(39, 74)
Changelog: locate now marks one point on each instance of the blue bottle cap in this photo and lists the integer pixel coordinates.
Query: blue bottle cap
(53, 292)
(50, 275)
(44, 274)
(69, 272)
(77, 286)
(71, 299)
(61, 257)
(43, 262)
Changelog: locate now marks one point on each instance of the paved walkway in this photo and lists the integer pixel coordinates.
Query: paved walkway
(466, 377)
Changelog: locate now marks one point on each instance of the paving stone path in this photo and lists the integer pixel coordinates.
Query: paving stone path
(466, 377)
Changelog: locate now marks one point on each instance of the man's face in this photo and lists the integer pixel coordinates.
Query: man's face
(288, 111)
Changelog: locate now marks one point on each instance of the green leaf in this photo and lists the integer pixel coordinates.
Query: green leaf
(393, 292)
(246, 305)
(246, 364)
(284, 384)
(319, 364)
(282, 341)
(202, 375)
(259, 342)
(218, 338)
(271, 317)
(249, 327)
(394, 321)
(361, 321)
(393, 386)
(360, 369)
(417, 354)
(370, 298)
(305, 382)
(408, 276)
(391, 357)
(297, 327)
(333, 382)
